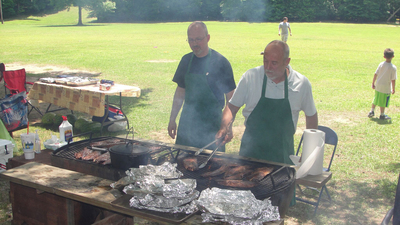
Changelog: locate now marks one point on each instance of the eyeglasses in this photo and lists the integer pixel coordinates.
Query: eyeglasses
(197, 40)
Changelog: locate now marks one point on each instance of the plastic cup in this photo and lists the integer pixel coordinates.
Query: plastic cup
(28, 142)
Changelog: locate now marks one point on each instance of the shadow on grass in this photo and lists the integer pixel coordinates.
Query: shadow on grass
(353, 202)
(381, 122)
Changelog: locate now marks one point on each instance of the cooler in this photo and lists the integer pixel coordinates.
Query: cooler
(6, 152)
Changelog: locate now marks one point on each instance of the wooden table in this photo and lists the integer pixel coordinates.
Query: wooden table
(87, 99)
(58, 196)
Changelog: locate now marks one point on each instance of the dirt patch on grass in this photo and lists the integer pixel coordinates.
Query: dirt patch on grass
(50, 70)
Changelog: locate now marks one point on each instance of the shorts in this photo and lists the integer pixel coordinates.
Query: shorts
(284, 37)
(381, 99)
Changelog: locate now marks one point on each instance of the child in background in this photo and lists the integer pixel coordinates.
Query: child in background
(384, 83)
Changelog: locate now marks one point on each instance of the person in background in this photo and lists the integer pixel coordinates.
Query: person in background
(285, 26)
(384, 83)
(205, 84)
(274, 94)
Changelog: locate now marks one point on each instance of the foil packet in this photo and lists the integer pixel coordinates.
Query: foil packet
(235, 207)
(170, 196)
(148, 174)
(165, 171)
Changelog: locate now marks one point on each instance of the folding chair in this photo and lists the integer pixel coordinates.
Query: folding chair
(318, 182)
(15, 82)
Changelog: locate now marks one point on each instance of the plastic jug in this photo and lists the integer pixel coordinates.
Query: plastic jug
(65, 130)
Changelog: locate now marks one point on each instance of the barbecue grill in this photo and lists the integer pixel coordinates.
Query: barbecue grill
(278, 185)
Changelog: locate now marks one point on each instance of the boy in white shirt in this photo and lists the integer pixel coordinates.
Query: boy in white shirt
(384, 83)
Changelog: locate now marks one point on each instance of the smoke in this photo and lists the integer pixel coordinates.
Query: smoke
(244, 10)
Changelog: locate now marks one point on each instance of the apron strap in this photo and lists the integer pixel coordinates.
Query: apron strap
(207, 62)
(265, 84)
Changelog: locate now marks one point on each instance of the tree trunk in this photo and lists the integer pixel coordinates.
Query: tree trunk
(80, 17)
(1, 13)
(393, 14)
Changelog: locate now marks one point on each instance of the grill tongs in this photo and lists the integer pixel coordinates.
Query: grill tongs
(211, 155)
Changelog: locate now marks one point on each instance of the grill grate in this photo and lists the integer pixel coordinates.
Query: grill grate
(279, 180)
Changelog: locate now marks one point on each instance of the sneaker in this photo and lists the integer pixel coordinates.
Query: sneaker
(371, 114)
(262, 53)
(384, 117)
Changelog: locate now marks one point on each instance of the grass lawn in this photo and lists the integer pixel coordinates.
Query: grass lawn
(339, 60)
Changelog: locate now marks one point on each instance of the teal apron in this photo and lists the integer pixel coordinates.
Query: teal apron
(201, 114)
(269, 130)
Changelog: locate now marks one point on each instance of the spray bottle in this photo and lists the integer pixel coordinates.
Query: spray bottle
(65, 130)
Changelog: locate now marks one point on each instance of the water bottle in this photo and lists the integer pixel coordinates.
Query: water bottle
(37, 143)
(65, 130)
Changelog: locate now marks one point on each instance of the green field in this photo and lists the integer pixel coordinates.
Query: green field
(339, 60)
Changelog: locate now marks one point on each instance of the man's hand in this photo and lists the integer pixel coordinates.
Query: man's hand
(172, 129)
(373, 86)
(279, 34)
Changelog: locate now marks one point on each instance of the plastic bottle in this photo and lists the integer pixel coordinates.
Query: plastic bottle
(37, 143)
(65, 130)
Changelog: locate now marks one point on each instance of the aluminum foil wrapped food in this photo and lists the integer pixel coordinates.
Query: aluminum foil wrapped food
(149, 174)
(235, 207)
(173, 198)
(159, 188)
(166, 171)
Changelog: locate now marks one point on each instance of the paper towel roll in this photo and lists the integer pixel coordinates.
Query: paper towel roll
(311, 140)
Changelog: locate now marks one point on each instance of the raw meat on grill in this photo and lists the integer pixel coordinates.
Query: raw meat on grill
(190, 163)
(107, 143)
(220, 161)
(102, 158)
(238, 176)
(83, 153)
(237, 183)
(216, 172)
(108, 161)
(238, 169)
(260, 173)
(92, 155)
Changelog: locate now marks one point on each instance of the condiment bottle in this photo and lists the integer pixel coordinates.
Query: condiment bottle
(65, 130)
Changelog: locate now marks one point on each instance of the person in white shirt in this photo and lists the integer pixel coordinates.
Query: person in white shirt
(273, 95)
(384, 83)
(285, 26)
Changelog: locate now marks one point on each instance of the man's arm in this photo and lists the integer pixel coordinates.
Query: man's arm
(228, 116)
(312, 121)
(228, 96)
(177, 103)
(290, 31)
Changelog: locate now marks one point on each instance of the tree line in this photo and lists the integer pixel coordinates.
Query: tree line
(362, 11)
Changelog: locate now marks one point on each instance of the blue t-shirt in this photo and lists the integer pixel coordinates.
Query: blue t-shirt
(220, 75)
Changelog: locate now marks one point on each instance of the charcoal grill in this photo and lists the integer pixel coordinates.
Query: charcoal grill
(278, 185)
(64, 157)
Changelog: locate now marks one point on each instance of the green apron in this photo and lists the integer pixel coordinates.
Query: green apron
(201, 114)
(269, 129)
